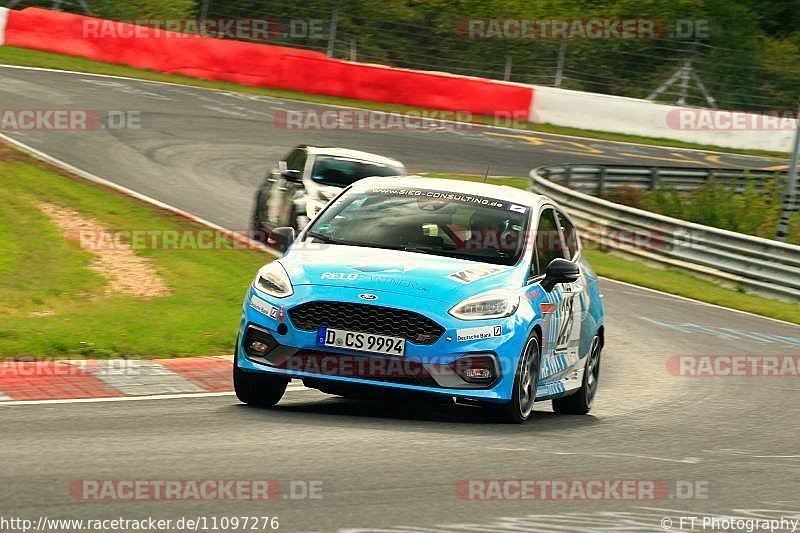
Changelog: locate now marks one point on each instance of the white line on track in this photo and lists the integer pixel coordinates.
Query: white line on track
(692, 300)
(290, 388)
(117, 398)
(38, 154)
(606, 455)
(339, 106)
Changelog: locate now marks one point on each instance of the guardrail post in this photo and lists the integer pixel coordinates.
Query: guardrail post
(654, 178)
(788, 195)
(568, 176)
(332, 31)
(562, 50)
(507, 70)
(601, 181)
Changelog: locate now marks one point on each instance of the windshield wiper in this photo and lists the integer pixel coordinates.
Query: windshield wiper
(500, 257)
(436, 251)
(330, 240)
(321, 237)
(423, 249)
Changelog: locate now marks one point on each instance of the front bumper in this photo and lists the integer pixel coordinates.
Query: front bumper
(436, 368)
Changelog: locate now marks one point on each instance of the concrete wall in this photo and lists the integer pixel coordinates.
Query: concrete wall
(619, 114)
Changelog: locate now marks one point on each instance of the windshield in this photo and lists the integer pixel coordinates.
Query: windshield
(426, 221)
(341, 172)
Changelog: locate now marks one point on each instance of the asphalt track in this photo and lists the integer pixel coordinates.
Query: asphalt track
(396, 467)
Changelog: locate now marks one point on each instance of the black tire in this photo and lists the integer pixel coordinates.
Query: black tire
(580, 403)
(258, 389)
(520, 408)
(258, 219)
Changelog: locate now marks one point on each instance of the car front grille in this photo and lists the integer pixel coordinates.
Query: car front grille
(374, 319)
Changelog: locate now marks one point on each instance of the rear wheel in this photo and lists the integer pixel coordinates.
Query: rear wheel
(519, 409)
(256, 388)
(581, 402)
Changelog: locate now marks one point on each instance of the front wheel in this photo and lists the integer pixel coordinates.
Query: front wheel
(258, 389)
(581, 402)
(519, 409)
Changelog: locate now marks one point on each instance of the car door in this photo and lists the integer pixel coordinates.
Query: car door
(559, 344)
(574, 293)
(282, 191)
(586, 326)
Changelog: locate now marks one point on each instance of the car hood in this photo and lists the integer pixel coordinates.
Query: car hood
(413, 274)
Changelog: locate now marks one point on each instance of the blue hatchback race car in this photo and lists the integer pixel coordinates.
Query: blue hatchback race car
(433, 287)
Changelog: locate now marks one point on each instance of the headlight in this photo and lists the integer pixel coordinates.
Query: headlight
(273, 280)
(314, 206)
(492, 304)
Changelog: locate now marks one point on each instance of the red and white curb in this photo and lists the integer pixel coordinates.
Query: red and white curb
(85, 380)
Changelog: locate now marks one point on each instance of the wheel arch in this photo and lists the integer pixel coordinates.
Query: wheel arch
(537, 330)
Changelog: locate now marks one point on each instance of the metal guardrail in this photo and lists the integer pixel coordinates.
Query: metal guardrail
(756, 264)
(596, 179)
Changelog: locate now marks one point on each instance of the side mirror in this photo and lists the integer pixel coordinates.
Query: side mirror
(281, 238)
(295, 176)
(559, 271)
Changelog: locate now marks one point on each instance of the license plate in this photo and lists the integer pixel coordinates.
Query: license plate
(361, 342)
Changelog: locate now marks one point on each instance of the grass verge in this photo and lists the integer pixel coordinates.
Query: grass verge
(669, 280)
(34, 58)
(53, 304)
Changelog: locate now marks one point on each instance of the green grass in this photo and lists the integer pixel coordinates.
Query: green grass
(669, 280)
(34, 58)
(53, 305)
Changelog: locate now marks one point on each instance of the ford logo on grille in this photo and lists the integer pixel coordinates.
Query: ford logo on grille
(366, 296)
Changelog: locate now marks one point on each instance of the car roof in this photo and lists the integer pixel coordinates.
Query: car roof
(497, 192)
(354, 154)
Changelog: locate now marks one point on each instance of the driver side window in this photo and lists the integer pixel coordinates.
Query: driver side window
(570, 236)
(548, 242)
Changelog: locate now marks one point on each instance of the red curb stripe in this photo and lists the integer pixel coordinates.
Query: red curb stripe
(49, 380)
(211, 373)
